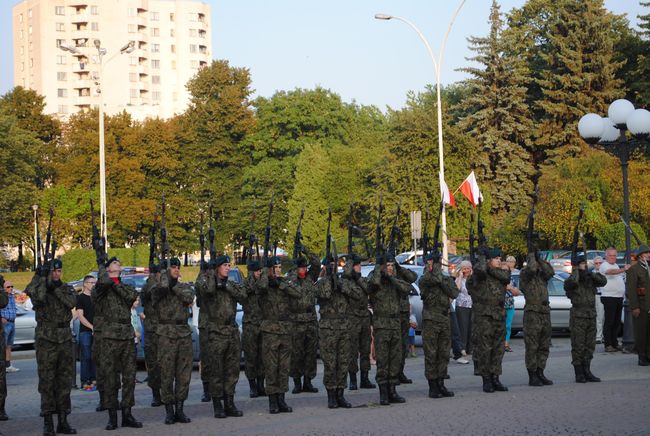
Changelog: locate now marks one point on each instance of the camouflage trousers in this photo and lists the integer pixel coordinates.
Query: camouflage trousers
(388, 353)
(204, 347)
(276, 351)
(55, 362)
(151, 356)
(360, 339)
(304, 339)
(583, 339)
(642, 333)
(96, 350)
(404, 324)
(3, 374)
(224, 355)
(175, 359)
(537, 338)
(335, 352)
(252, 345)
(489, 338)
(436, 341)
(116, 369)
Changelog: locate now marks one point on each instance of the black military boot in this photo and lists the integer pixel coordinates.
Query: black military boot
(100, 407)
(62, 425)
(308, 387)
(206, 393)
(297, 385)
(260, 387)
(393, 396)
(365, 381)
(643, 360)
(48, 425)
(542, 377)
(274, 407)
(340, 399)
(533, 378)
(155, 398)
(252, 387)
(487, 384)
(284, 408)
(383, 394)
(588, 375)
(434, 391)
(170, 416)
(3, 413)
(112, 419)
(403, 378)
(218, 408)
(476, 370)
(498, 386)
(229, 406)
(443, 389)
(331, 399)
(128, 420)
(353, 381)
(180, 413)
(580, 374)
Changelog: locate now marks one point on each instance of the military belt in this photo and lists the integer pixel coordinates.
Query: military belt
(172, 321)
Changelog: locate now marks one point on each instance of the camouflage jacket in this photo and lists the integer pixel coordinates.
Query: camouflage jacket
(487, 287)
(386, 295)
(146, 299)
(637, 286)
(53, 304)
(436, 290)
(533, 282)
(171, 301)
(274, 297)
(113, 303)
(199, 284)
(358, 307)
(334, 302)
(304, 308)
(4, 299)
(250, 304)
(580, 287)
(219, 300)
(408, 276)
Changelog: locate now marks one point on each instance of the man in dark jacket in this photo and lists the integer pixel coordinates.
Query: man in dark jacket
(637, 286)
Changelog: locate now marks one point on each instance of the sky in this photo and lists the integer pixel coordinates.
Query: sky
(337, 44)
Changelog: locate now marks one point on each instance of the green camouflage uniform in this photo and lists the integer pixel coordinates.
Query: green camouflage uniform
(436, 290)
(151, 335)
(637, 284)
(172, 299)
(304, 336)
(537, 313)
(113, 334)
(487, 287)
(274, 297)
(359, 320)
(386, 295)
(219, 301)
(251, 332)
(408, 276)
(204, 337)
(580, 288)
(334, 326)
(4, 300)
(53, 304)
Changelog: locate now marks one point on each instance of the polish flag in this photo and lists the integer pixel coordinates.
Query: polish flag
(445, 194)
(470, 189)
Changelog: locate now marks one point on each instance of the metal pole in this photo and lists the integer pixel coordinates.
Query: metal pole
(624, 155)
(102, 156)
(35, 208)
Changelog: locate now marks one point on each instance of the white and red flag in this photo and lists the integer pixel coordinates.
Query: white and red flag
(470, 189)
(445, 194)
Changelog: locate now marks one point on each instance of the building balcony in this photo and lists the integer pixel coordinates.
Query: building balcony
(83, 17)
(83, 83)
(143, 70)
(79, 67)
(79, 100)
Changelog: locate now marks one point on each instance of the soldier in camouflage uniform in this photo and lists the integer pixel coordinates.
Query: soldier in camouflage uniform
(334, 297)
(150, 328)
(637, 285)
(305, 326)
(436, 291)
(204, 339)
(487, 287)
(580, 288)
(360, 334)
(251, 333)
(114, 337)
(386, 292)
(171, 300)
(4, 300)
(537, 317)
(219, 297)
(275, 293)
(53, 303)
(408, 276)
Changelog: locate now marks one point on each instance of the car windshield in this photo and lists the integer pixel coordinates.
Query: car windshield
(136, 281)
(403, 257)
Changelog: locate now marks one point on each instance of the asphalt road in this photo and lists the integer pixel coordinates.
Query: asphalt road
(618, 405)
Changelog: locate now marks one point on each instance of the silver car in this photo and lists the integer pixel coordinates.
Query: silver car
(563, 261)
(25, 326)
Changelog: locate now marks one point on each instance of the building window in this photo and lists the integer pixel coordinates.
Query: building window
(59, 10)
(155, 48)
(155, 80)
(61, 76)
(20, 34)
(132, 28)
(133, 93)
(194, 64)
(60, 60)
(155, 95)
(173, 48)
(202, 33)
(201, 18)
(63, 109)
(94, 27)
(60, 42)
(29, 13)
(193, 16)
(62, 92)
(133, 77)
(30, 29)
(175, 96)
(60, 27)
(94, 10)
(154, 16)
(133, 60)
(132, 12)
(192, 48)
(171, 17)
(20, 18)
(193, 33)
(22, 66)
(171, 32)
(31, 62)
(173, 65)
(22, 50)
(155, 63)
(155, 31)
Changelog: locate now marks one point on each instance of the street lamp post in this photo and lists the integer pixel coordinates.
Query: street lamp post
(436, 65)
(35, 209)
(101, 52)
(610, 134)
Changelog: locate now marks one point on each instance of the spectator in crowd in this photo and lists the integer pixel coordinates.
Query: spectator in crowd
(600, 312)
(511, 292)
(612, 298)
(456, 343)
(464, 307)
(8, 315)
(137, 327)
(86, 314)
(413, 323)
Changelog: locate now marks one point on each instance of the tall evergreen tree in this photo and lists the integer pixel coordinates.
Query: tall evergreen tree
(641, 76)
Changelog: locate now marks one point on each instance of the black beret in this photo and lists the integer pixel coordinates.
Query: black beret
(175, 261)
(254, 266)
(301, 262)
(581, 258)
(273, 261)
(380, 260)
(356, 260)
(390, 258)
(220, 260)
(57, 264)
(155, 268)
(111, 260)
(493, 252)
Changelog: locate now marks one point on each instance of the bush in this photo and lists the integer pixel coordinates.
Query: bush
(80, 261)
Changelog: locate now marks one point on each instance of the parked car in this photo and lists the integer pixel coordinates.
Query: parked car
(25, 326)
(549, 255)
(563, 262)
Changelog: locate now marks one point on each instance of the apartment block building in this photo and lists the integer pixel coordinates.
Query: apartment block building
(139, 54)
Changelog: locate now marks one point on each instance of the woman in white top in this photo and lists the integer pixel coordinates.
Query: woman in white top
(464, 307)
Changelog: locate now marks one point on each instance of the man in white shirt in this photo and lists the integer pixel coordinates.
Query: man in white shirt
(612, 298)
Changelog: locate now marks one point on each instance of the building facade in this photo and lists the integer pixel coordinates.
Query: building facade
(149, 50)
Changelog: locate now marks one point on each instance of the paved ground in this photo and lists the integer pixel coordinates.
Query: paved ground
(618, 405)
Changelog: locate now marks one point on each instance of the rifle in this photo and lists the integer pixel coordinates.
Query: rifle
(37, 249)
(97, 241)
(472, 249)
(267, 233)
(164, 244)
(328, 239)
(395, 232)
(379, 248)
(252, 240)
(350, 229)
(576, 237)
(530, 232)
(297, 240)
(211, 235)
(436, 233)
(425, 235)
(482, 239)
(629, 229)
(48, 237)
(202, 242)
